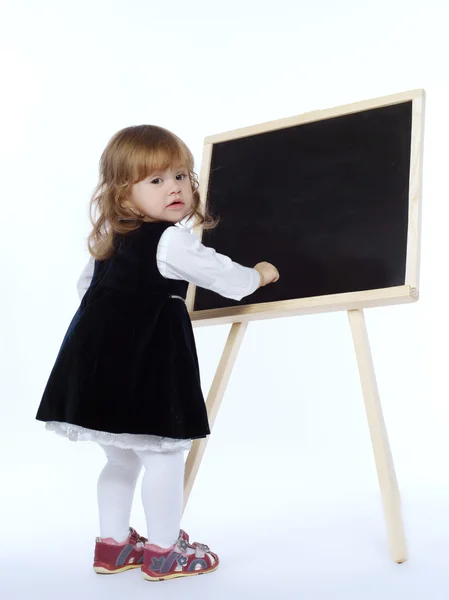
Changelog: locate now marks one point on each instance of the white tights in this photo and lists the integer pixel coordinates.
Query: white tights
(162, 493)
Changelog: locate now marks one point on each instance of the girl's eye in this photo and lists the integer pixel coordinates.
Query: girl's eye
(181, 176)
(156, 180)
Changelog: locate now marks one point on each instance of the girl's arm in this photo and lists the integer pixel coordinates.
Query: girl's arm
(182, 256)
(85, 278)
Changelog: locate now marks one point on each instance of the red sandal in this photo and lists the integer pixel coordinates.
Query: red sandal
(181, 560)
(113, 557)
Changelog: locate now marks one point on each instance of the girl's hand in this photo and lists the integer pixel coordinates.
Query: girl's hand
(268, 273)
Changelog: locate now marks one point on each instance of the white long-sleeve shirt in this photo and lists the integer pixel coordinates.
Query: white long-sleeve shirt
(182, 256)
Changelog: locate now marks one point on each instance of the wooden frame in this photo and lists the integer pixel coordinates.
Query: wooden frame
(350, 301)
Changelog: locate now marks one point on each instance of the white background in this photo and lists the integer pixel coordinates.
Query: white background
(287, 493)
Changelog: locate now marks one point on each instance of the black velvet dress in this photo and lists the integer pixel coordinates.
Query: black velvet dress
(128, 362)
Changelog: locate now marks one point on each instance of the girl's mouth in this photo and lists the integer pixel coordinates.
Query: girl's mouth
(176, 204)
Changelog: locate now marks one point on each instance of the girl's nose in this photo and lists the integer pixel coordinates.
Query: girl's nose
(175, 188)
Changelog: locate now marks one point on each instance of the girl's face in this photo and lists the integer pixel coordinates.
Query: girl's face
(164, 196)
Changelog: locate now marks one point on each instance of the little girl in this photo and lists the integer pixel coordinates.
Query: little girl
(127, 374)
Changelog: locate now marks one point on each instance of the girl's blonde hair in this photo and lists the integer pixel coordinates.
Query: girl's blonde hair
(131, 155)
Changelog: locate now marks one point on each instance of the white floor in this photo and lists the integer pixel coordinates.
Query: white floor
(329, 548)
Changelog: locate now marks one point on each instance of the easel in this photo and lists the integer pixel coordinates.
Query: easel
(354, 304)
(382, 454)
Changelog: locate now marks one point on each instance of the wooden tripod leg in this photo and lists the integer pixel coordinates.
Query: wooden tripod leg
(382, 454)
(213, 402)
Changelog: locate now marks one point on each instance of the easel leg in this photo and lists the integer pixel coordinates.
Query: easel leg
(213, 402)
(382, 454)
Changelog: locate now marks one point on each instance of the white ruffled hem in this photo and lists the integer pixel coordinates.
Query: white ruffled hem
(127, 441)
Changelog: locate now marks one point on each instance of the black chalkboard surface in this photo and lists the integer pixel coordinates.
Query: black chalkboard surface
(327, 202)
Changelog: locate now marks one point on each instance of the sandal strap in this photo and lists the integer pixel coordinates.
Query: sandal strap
(135, 538)
(200, 550)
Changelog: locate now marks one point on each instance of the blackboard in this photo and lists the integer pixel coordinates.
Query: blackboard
(326, 201)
